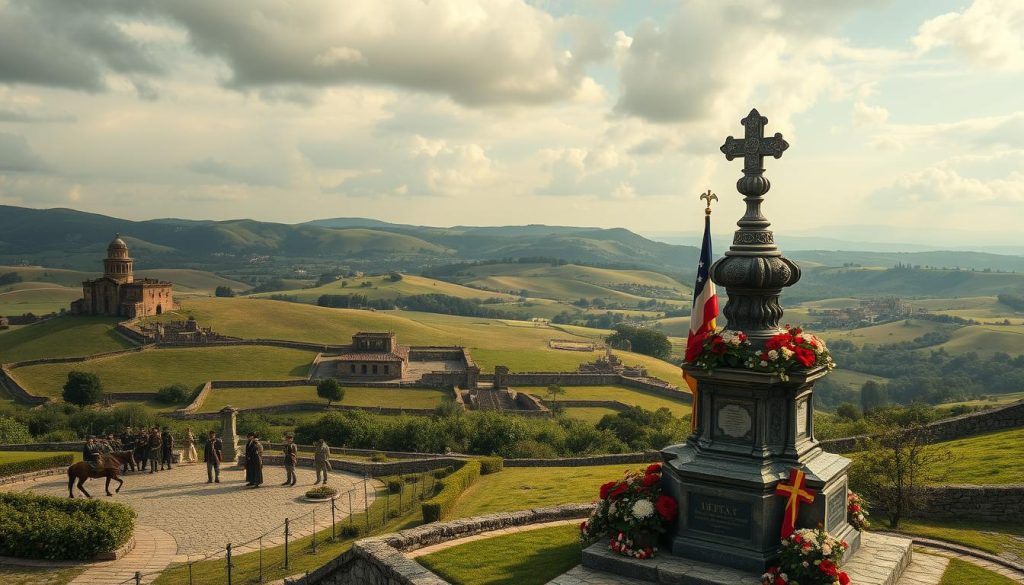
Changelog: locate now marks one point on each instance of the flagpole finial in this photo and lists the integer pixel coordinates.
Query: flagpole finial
(709, 196)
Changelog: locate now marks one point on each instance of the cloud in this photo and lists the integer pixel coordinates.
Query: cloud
(17, 156)
(478, 52)
(988, 33)
(68, 44)
(865, 115)
(257, 175)
(985, 134)
(22, 117)
(945, 184)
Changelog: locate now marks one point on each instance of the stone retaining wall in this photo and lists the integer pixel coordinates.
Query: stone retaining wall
(613, 404)
(76, 359)
(32, 475)
(975, 423)
(372, 468)
(70, 446)
(381, 560)
(304, 407)
(988, 503)
(17, 391)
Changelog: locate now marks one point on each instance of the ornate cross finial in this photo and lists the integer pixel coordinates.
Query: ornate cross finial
(754, 146)
(710, 197)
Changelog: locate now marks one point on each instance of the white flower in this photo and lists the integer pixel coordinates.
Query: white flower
(773, 354)
(787, 353)
(643, 509)
(764, 364)
(826, 549)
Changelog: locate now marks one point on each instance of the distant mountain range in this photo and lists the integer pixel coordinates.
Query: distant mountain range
(73, 239)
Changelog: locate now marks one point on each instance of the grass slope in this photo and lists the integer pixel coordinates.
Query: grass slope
(354, 396)
(12, 575)
(185, 280)
(150, 370)
(630, 396)
(592, 415)
(523, 488)
(39, 298)
(381, 287)
(531, 557)
(992, 538)
(64, 336)
(989, 459)
(960, 572)
(14, 456)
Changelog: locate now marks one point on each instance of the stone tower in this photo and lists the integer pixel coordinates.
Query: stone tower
(117, 266)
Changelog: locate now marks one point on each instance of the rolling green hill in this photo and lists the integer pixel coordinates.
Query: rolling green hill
(61, 337)
(382, 287)
(185, 280)
(828, 283)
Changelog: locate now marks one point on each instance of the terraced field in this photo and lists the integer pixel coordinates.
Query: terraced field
(625, 395)
(354, 396)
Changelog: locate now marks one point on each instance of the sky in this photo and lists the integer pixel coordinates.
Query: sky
(906, 115)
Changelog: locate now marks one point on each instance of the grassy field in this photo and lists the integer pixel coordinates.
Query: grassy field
(960, 572)
(989, 459)
(150, 370)
(991, 400)
(185, 280)
(521, 345)
(986, 340)
(381, 287)
(13, 456)
(620, 393)
(39, 298)
(522, 488)
(354, 396)
(63, 336)
(592, 415)
(887, 333)
(38, 575)
(992, 538)
(531, 557)
(854, 380)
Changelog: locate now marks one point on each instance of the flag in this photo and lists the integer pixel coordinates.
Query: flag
(794, 492)
(703, 313)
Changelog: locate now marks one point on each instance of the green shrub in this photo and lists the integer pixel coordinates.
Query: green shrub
(37, 464)
(378, 458)
(411, 479)
(489, 465)
(439, 507)
(394, 486)
(173, 394)
(443, 472)
(45, 527)
(13, 431)
(322, 492)
(349, 531)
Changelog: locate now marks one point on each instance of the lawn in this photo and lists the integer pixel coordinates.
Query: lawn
(38, 575)
(532, 557)
(12, 456)
(38, 298)
(150, 370)
(354, 396)
(989, 459)
(63, 336)
(989, 537)
(960, 572)
(629, 396)
(382, 287)
(523, 488)
(592, 415)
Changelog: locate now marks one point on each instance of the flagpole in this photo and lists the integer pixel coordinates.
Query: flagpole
(701, 322)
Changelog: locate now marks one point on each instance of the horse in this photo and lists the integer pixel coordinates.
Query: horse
(109, 467)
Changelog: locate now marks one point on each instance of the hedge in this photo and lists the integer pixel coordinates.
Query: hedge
(489, 465)
(36, 464)
(44, 527)
(439, 507)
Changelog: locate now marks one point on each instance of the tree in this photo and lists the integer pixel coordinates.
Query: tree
(394, 276)
(330, 390)
(554, 391)
(898, 463)
(173, 394)
(848, 411)
(82, 388)
(224, 291)
(12, 431)
(641, 340)
(872, 396)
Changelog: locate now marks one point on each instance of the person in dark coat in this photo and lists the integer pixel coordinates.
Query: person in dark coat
(142, 449)
(291, 457)
(254, 461)
(213, 455)
(166, 449)
(249, 460)
(154, 449)
(90, 451)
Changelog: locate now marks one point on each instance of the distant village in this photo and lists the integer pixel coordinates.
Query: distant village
(868, 312)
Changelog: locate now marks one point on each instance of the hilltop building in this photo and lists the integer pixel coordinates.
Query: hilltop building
(118, 293)
(374, 356)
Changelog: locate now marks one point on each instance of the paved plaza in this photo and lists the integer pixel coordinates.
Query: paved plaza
(202, 518)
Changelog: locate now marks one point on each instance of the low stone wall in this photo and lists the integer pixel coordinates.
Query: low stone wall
(989, 503)
(560, 378)
(32, 475)
(198, 401)
(656, 386)
(381, 560)
(975, 423)
(76, 359)
(17, 391)
(71, 446)
(259, 383)
(318, 347)
(305, 407)
(615, 459)
(612, 404)
(370, 468)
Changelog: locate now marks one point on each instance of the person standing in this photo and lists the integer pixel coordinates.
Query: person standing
(257, 461)
(166, 449)
(250, 460)
(154, 450)
(322, 460)
(291, 457)
(213, 455)
(190, 446)
(142, 449)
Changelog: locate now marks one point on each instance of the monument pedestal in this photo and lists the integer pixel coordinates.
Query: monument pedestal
(881, 561)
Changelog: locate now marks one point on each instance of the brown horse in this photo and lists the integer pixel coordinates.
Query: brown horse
(109, 467)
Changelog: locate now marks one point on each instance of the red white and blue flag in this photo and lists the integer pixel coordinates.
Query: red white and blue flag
(703, 313)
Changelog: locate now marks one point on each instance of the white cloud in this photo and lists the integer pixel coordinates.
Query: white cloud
(988, 32)
(944, 184)
(17, 156)
(865, 115)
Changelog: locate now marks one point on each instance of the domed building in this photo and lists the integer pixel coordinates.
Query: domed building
(118, 293)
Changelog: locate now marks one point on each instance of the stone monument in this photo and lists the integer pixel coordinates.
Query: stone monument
(752, 427)
(228, 433)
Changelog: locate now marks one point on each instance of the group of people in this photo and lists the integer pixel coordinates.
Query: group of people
(155, 448)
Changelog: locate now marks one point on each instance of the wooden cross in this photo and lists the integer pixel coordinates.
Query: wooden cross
(753, 147)
(794, 492)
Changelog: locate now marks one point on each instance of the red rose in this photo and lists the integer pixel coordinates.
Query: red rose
(619, 489)
(694, 346)
(828, 567)
(796, 331)
(797, 538)
(653, 468)
(855, 508)
(844, 579)
(718, 346)
(666, 506)
(741, 336)
(650, 479)
(805, 356)
(798, 339)
(606, 488)
(779, 581)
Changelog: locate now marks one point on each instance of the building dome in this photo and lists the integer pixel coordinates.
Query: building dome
(117, 243)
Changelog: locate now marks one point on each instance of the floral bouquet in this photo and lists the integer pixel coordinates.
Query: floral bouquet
(719, 348)
(632, 513)
(809, 557)
(791, 350)
(857, 511)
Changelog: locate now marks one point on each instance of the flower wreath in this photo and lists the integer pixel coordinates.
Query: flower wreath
(790, 350)
(632, 513)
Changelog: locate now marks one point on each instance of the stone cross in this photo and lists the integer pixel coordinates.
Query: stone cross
(754, 146)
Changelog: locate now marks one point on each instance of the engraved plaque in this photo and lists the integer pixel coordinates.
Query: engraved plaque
(734, 421)
(720, 516)
(801, 418)
(835, 509)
